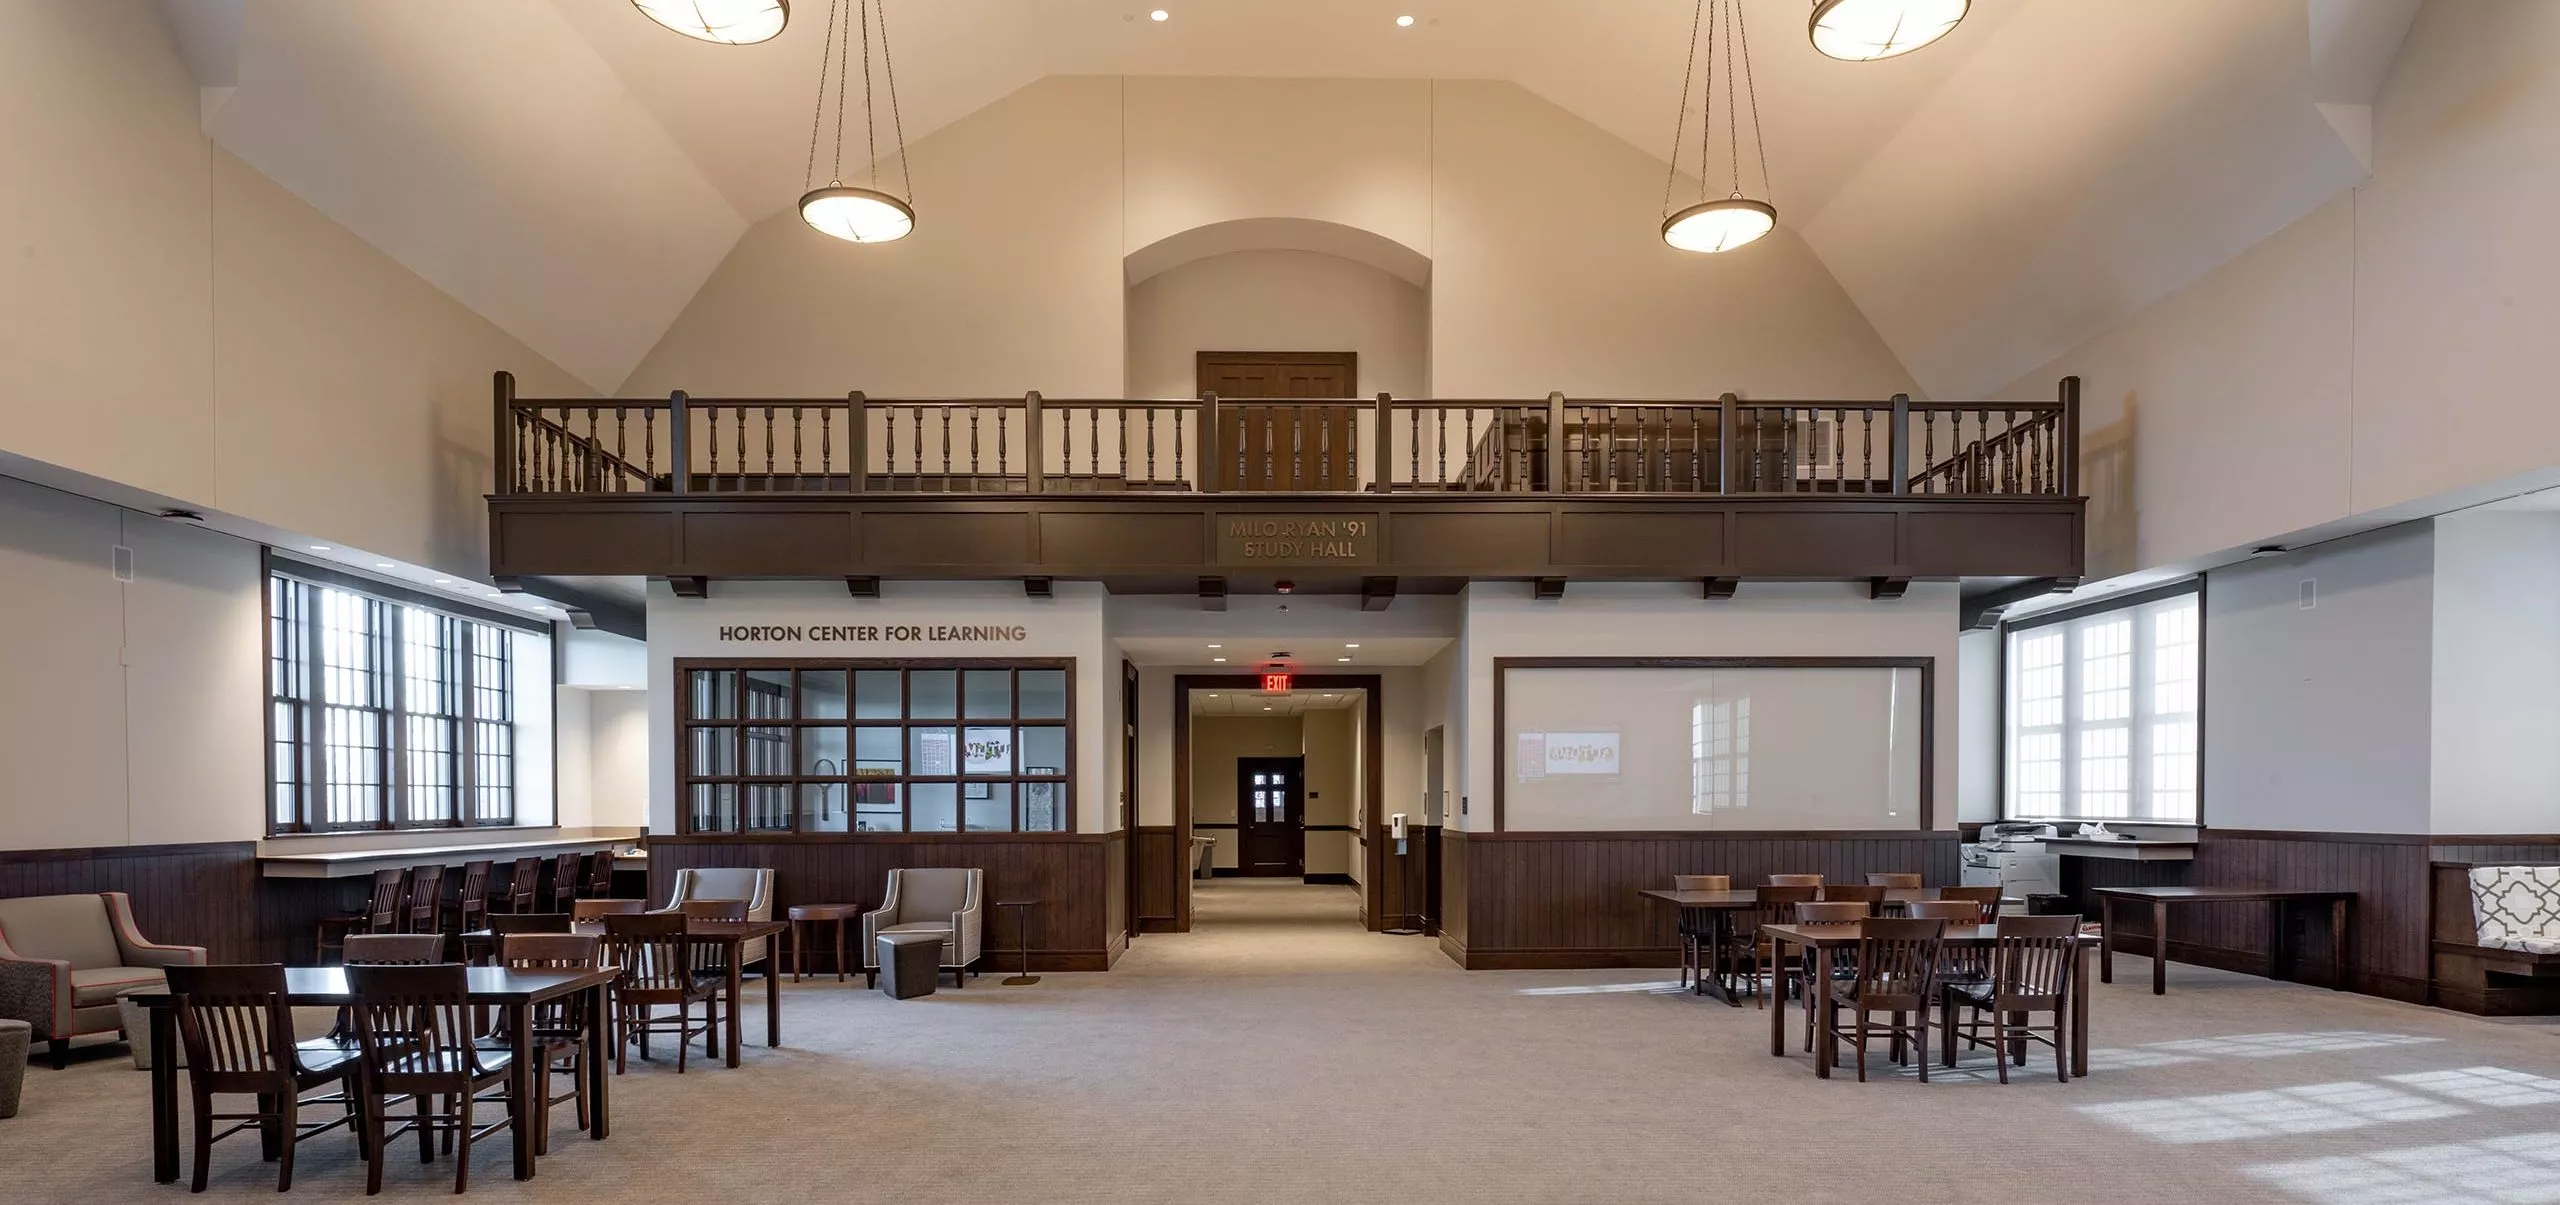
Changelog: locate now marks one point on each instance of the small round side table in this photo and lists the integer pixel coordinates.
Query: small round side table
(804, 915)
(1022, 931)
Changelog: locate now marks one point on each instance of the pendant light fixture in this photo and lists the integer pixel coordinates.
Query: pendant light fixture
(1865, 30)
(1727, 222)
(729, 22)
(865, 212)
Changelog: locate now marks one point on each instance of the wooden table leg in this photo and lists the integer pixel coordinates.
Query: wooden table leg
(2338, 944)
(1777, 1020)
(839, 949)
(799, 948)
(773, 1006)
(522, 1084)
(2080, 1016)
(2106, 939)
(2159, 947)
(1826, 1023)
(599, 1068)
(164, 1095)
(736, 973)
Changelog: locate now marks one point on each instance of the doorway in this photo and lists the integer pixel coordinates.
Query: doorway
(1280, 374)
(1285, 447)
(1271, 816)
(1358, 843)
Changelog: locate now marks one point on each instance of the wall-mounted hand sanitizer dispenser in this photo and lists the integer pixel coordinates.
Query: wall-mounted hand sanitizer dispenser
(1395, 825)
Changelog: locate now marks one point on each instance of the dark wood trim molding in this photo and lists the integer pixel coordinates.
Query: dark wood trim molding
(1928, 667)
(94, 853)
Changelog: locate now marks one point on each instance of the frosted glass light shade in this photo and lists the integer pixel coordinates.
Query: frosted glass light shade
(1719, 225)
(1861, 30)
(857, 215)
(729, 22)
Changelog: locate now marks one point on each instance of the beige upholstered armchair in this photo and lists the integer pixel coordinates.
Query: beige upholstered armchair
(64, 958)
(929, 899)
(754, 884)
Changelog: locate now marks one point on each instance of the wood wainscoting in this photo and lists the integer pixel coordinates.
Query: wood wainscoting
(1079, 879)
(2388, 953)
(197, 894)
(1163, 869)
(1567, 900)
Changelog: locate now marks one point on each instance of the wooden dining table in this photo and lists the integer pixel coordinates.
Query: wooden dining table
(1719, 907)
(512, 992)
(728, 936)
(1818, 944)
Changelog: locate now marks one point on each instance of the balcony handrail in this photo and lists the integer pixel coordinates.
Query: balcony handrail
(1554, 444)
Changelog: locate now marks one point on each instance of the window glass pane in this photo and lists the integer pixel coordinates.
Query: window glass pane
(825, 807)
(822, 694)
(714, 807)
(933, 752)
(1044, 750)
(989, 807)
(2106, 670)
(1044, 694)
(768, 808)
(768, 751)
(876, 753)
(875, 694)
(937, 806)
(713, 695)
(876, 808)
(989, 693)
(715, 752)
(987, 751)
(933, 694)
(822, 752)
(769, 694)
(1041, 808)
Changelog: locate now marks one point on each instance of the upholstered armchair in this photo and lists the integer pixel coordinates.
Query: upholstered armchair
(64, 959)
(754, 884)
(929, 899)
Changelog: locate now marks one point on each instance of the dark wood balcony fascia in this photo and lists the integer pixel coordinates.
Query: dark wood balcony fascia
(1140, 538)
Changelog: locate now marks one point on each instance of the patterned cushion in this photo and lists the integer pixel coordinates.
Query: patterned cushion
(2517, 907)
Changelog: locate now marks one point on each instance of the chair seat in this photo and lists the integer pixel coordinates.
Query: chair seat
(100, 985)
(321, 1057)
(493, 1059)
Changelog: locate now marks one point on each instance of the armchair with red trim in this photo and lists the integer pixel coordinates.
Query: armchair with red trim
(65, 958)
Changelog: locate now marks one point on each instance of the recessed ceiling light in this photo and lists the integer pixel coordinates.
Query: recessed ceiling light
(444, 581)
(382, 564)
(1404, 22)
(319, 548)
(1342, 658)
(1217, 646)
(1351, 646)
(1159, 15)
(1220, 660)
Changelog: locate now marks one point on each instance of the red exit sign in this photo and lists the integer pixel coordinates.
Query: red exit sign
(1275, 683)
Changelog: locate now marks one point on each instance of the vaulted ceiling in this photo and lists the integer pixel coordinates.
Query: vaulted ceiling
(574, 173)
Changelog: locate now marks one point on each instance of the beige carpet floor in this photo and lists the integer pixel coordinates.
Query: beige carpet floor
(1278, 1053)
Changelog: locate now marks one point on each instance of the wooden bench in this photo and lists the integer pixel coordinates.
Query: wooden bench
(2495, 947)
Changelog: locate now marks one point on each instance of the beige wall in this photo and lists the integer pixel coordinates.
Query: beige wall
(175, 322)
(1014, 278)
(1278, 301)
(1216, 742)
(1331, 742)
(128, 710)
(2389, 347)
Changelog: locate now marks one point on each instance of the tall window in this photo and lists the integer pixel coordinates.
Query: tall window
(2102, 713)
(874, 747)
(384, 712)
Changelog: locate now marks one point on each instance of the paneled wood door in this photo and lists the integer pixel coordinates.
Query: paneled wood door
(1269, 447)
(1271, 816)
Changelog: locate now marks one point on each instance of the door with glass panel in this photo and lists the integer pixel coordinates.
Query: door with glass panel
(1271, 815)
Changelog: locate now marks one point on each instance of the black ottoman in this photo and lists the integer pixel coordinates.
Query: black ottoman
(909, 963)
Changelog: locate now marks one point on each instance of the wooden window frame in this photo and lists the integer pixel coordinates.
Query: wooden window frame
(792, 780)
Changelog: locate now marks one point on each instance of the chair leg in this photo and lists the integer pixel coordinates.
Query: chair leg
(1862, 1043)
(684, 1034)
(60, 1049)
(462, 1125)
(2000, 1043)
(426, 1130)
(2061, 1047)
(289, 1114)
(372, 1144)
(204, 1139)
(1920, 1040)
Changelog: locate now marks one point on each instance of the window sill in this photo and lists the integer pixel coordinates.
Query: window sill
(361, 834)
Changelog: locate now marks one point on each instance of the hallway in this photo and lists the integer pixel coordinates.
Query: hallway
(1258, 925)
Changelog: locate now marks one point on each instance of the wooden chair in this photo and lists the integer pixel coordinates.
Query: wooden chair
(506, 923)
(471, 909)
(238, 1035)
(1795, 880)
(559, 1027)
(2032, 971)
(414, 1036)
(395, 949)
(1957, 964)
(1885, 879)
(1987, 897)
(426, 901)
(1828, 912)
(1695, 932)
(1896, 975)
(380, 915)
(524, 884)
(564, 881)
(599, 909)
(600, 875)
(1774, 906)
(658, 968)
(1854, 893)
(1958, 912)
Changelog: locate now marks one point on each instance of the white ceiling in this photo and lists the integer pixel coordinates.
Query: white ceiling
(1306, 655)
(1287, 703)
(573, 172)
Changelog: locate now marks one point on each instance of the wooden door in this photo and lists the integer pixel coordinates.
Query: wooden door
(1271, 816)
(1287, 448)
(1128, 818)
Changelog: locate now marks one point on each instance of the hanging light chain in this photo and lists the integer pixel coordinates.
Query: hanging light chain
(1759, 139)
(1707, 118)
(870, 117)
(1679, 126)
(1732, 113)
(818, 112)
(897, 121)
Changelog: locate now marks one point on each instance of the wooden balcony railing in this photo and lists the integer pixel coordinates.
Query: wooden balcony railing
(1556, 445)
